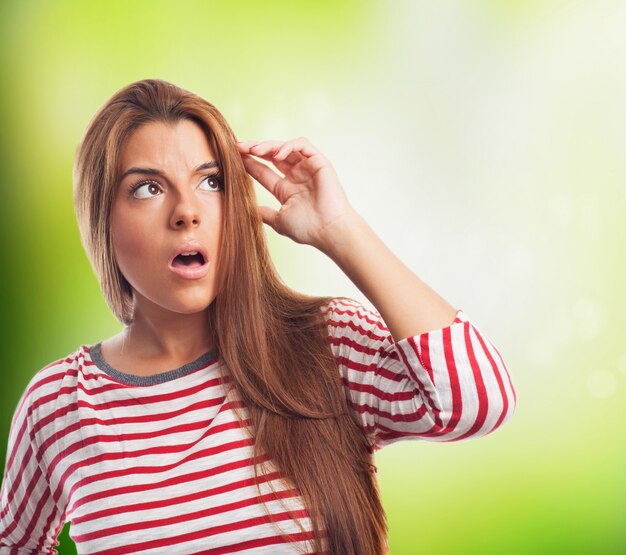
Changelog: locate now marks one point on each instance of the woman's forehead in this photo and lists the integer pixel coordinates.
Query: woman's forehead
(180, 145)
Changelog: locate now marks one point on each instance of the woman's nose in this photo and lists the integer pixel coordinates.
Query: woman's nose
(185, 213)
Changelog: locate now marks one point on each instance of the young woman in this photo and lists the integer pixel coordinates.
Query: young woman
(232, 414)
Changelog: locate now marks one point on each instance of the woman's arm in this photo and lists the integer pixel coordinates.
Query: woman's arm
(408, 306)
(29, 517)
(443, 385)
(416, 367)
(315, 210)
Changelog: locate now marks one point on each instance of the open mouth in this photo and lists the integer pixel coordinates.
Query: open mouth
(189, 260)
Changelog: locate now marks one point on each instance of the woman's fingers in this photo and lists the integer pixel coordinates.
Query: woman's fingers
(300, 146)
(268, 215)
(266, 152)
(265, 175)
(292, 151)
(244, 146)
(276, 152)
(298, 160)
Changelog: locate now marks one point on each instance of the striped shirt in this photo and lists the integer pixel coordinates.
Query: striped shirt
(161, 463)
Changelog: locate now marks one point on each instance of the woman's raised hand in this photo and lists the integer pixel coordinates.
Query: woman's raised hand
(311, 197)
(314, 210)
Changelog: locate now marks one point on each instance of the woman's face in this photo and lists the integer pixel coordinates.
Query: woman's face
(168, 206)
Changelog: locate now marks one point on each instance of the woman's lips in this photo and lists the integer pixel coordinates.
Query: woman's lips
(195, 267)
(195, 271)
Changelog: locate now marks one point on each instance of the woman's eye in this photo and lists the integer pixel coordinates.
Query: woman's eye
(146, 190)
(211, 183)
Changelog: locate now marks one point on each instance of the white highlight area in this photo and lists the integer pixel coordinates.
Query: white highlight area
(601, 384)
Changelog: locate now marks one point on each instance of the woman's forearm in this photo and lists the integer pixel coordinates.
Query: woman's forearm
(408, 305)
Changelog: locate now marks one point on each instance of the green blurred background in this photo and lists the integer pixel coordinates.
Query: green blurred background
(484, 140)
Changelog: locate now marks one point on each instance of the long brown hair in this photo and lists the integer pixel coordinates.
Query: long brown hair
(271, 339)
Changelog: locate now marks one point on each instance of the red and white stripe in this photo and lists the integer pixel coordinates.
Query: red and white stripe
(168, 467)
(445, 385)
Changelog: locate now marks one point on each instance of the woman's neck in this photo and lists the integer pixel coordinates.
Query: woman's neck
(179, 337)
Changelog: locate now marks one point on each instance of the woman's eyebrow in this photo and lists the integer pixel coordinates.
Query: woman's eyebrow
(154, 171)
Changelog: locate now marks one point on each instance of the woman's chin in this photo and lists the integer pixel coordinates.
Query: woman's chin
(173, 307)
(190, 309)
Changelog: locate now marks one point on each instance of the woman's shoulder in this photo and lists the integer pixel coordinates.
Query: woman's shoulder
(337, 306)
(340, 311)
(56, 378)
(63, 366)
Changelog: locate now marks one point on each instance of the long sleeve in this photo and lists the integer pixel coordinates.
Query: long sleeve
(26, 502)
(444, 385)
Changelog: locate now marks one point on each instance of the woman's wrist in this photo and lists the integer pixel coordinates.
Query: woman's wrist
(337, 237)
